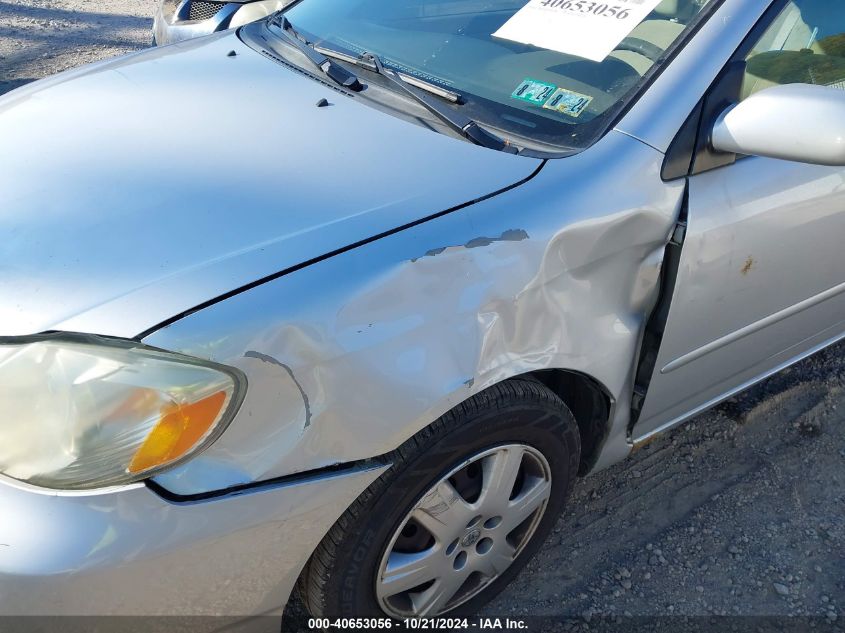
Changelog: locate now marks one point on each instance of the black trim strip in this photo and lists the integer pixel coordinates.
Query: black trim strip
(338, 251)
(655, 326)
(329, 472)
(726, 91)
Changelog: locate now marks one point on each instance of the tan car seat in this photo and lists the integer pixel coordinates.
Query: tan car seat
(791, 51)
(660, 32)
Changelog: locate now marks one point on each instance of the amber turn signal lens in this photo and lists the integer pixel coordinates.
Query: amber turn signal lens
(82, 412)
(180, 428)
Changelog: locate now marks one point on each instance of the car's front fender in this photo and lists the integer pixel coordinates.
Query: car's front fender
(350, 356)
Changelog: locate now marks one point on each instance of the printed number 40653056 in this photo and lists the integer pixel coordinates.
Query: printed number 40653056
(584, 6)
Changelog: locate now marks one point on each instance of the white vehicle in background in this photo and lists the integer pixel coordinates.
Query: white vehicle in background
(177, 20)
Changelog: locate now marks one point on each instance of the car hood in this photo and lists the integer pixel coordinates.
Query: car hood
(136, 189)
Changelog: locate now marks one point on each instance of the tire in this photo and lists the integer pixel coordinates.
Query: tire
(518, 420)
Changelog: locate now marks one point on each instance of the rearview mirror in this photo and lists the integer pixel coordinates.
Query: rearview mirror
(799, 122)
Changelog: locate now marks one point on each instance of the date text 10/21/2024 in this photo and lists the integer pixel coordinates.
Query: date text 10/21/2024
(447, 624)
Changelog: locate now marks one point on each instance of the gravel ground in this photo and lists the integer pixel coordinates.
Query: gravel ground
(43, 37)
(740, 513)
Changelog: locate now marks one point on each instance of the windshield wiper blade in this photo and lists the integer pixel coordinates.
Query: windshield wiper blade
(327, 66)
(460, 123)
(434, 89)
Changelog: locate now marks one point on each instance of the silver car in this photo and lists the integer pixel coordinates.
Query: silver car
(350, 297)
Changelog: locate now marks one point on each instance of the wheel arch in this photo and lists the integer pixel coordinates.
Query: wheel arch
(590, 403)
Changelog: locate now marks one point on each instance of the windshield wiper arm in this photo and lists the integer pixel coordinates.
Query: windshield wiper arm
(434, 89)
(336, 73)
(460, 123)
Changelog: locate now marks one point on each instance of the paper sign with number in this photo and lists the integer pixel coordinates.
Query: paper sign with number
(577, 27)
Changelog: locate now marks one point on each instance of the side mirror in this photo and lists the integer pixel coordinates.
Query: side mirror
(798, 122)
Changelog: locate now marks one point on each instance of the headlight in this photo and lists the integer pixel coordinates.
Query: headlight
(79, 412)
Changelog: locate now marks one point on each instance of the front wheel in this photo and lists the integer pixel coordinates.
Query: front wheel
(463, 507)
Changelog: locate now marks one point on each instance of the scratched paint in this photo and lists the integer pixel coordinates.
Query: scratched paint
(511, 235)
(271, 360)
(382, 341)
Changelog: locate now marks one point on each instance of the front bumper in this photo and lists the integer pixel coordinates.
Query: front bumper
(131, 552)
(186, 19)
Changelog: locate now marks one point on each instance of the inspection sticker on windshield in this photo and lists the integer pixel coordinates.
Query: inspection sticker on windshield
(568, 102)
(533, 91)
(576, 27)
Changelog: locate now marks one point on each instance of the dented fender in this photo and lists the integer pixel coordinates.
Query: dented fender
(350, 356)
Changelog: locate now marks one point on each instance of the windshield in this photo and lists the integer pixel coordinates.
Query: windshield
(553, 71)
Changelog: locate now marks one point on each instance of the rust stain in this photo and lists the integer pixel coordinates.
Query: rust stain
(747, 266)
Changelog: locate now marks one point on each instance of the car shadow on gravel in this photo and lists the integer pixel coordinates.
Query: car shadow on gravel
(6, 86)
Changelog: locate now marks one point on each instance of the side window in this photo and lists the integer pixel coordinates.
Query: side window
(805, 44)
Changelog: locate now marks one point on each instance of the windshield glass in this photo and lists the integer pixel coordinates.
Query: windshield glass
(553, 71)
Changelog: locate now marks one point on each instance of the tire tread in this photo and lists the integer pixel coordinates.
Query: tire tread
(318, 571)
